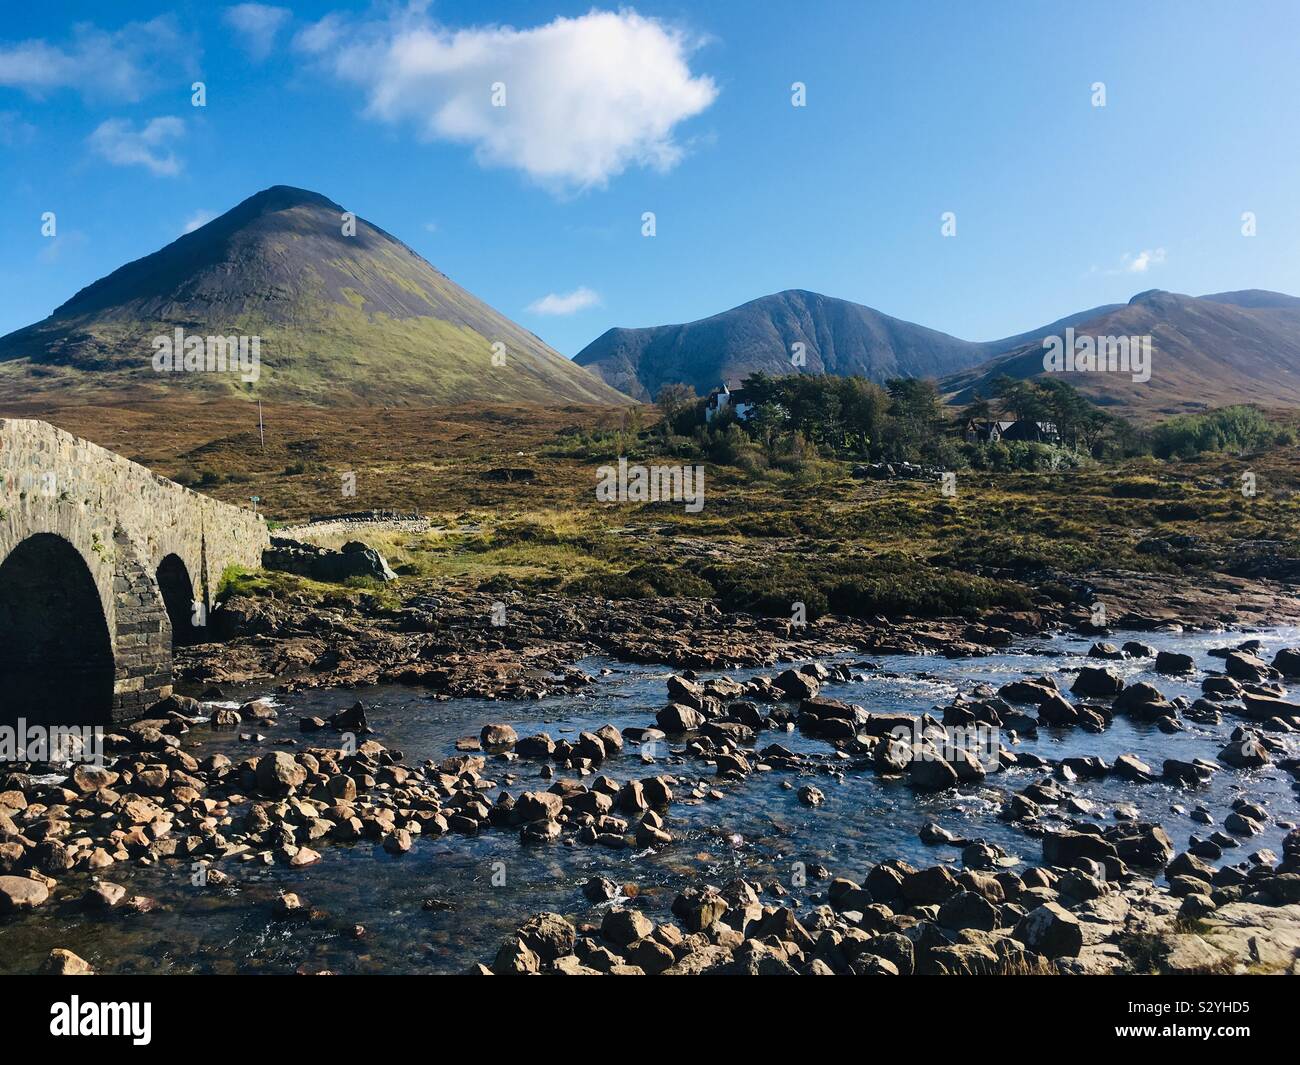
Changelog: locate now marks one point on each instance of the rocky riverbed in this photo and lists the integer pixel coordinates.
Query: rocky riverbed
(469, 643)
(1138, 814)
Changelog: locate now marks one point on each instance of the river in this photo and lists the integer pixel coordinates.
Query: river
(757, 830)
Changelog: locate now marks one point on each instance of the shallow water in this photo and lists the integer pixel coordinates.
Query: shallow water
(758, 829)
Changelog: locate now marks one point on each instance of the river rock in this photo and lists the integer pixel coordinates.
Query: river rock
(538, 806)
(623, 927)
(1051, 930)
(1265, 707)
(1097, 681)
(103, 896)
(1131, 767)
(19, 893)
(548, 935)
(676, 718)
(63, 962)
(1287, 661)
(698, 908)
(497, 737)
(931, 886)
(91, 778)
(796, 684)
(1246, 667)
(1066, 848)
(1174, 662)
(932, 774)
(1245, 753)
(538, 746)
(277, 773)
(968, 909)
(1027, 691)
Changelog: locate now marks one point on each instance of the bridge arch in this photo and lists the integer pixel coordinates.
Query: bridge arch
(178, 596)
(56, 652)
(124, 533)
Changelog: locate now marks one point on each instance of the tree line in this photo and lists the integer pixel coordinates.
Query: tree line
(907, 419)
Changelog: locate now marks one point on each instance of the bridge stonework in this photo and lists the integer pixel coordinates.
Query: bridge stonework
(122, 520)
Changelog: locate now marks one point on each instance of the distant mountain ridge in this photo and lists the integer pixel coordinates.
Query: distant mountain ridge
(1213, 350)
(342, 317)
(839, 337)
(1207, 351)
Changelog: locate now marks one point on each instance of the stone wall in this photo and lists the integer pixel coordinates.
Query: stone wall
(123, 520)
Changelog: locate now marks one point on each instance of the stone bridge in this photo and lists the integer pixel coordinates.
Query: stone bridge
(104, 567)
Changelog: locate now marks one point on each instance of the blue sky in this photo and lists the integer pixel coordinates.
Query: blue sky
(913, 109)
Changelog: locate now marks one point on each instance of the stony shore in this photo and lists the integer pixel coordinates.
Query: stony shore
(450, 645)
(1092, 905)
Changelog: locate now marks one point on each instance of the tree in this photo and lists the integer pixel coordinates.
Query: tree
(978, 409)
(672, 401)
(1020, 399)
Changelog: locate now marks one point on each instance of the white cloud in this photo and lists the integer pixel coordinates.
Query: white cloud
(198, 219)
(119, 65)
(569, 303)
(585, 97)
(118, 141)
(320, 36)
(1142, 261)
(258, 25)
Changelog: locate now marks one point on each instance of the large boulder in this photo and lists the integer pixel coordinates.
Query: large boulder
(63, 962)
(498, 736)
(278, 773)
(930, 773)
(548, 935)
(354, 559)
(1174, 662)
(18, 893)
(797, 685)
(1242, 666)
(1097, 681)
(1245, 753)
(1287, 661)
(1027, 691)
(538, 806)
(1263, 707)
(929, 886)
(678, 717)
(1066, 848)
(1051, 930)
(968, 909)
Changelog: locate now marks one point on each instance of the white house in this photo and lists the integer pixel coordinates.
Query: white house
(721, 398)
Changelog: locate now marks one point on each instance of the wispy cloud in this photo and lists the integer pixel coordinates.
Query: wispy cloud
(198, 219)
(118, 141)
(572, 103)
(258, 26)
(14, 130)
(120, 66)
(1142, 261)
(568, 303)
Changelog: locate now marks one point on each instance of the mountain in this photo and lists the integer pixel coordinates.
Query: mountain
(839, 337)
(1207, 351)
(341, 318)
